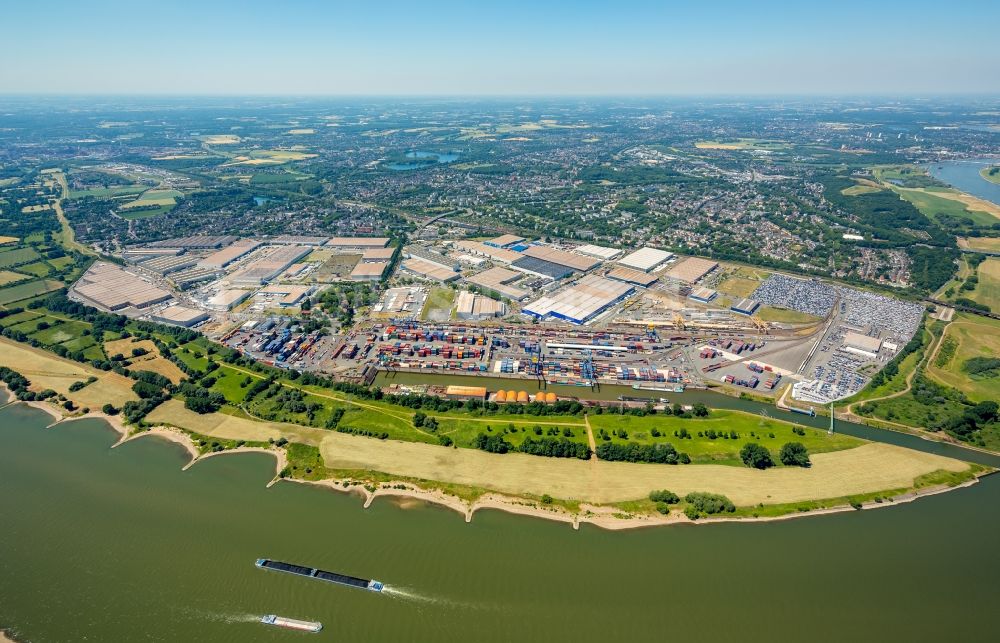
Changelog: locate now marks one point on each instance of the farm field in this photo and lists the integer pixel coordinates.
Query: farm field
(152, 361)
(989, 244)
(22, 291)
(269, 157)
(18, 256)
(7, 277)
(742, 144)
(951, 203)
(974, 336)
(220, 139)
(988, 289)
(231, 427)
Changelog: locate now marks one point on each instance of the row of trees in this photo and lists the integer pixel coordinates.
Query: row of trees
(550, 447)
(792, 454)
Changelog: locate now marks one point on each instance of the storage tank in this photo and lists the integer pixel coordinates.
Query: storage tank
(522, 396)
(501, 396)
(550, 398)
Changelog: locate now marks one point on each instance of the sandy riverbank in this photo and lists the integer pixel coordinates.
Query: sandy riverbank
(406, 493)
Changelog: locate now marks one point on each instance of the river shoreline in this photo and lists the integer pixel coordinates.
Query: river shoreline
(604, 517)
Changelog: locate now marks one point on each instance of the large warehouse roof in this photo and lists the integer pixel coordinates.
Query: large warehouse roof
(562, 257)
(645, 259)
(112, 288)
(692, 269)
(863, 342)
(631, 276)
(358, 242)
(480, 248)
(542, 267)
(498, 279)
(598, 251)
(430, 270)
(581, 301)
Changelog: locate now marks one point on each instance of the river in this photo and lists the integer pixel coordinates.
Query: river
(120, 545)
(965, 176)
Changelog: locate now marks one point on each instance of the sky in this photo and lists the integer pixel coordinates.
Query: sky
(514, 47)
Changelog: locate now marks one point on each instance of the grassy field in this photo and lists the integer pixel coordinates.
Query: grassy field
(36, 269)
(976, 337)
(991, 174)
(949, 202)
(785, 316)
(7, 277)
(152, 361)
(220, 139)
(18, 256)
(868, 468)
(269, 157)
(742, 144)
(46, 370)
(988, 289)
(990, 244)
(232, 427)
(107, 193)
(16, 293)
(701, 448)
(439, 303)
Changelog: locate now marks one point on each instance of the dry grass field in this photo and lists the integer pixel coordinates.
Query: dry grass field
(990, 244)
(230, 427)
(152, 361)
(45, 370)
(221, 139)
(8, 277)
(865, 469)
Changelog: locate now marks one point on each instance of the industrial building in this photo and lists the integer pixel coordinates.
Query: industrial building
(285, 295)
(599, 252)
(298, 240)
(428, 270)
(229, 254)
(111, 288)
(580, 302)
(645, 259)
(704, 295)
(195, 242)
(571, 260)
(190, 276)
(430, 256)
(369, 271)
(377, 254)
(359, 244)
(499, 279)
(177, 315)
(404, 302)
(862, 344)
(167, 264)
(466, 393)
(481, 249)
(542, 268)
(475, 307)
(142, 254)
(505, 241)
(227, 299)
(269, 266)
(745, 306)
(692, 269)
(630, 276)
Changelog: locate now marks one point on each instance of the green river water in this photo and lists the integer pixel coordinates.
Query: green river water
(121, 545)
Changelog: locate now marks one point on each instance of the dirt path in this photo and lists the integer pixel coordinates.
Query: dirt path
(69, 237)
(590, 437)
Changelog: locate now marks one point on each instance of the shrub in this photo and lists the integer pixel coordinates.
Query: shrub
(707, 503)
(756, 456)
(664, 496)
(794, 454)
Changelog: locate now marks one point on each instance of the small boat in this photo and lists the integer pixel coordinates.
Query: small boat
(291, 623)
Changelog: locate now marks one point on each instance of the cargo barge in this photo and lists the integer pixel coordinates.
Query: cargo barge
(319, 574)
(291, 623)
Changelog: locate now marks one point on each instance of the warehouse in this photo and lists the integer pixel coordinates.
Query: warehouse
(691, 269)
(179, 316)
(357, 243)
(542, 268)
(110, 288)
(862, 344)
(466, 393)
(227, 299)
(599, 252)
(563, 258)
(270, 266)
(476, 307)
(430, 256)
(704, 295)
(142, 254)
(483, 250)
(428, 270)
(581, 301)
(299, 240)
(505, 241)
(222, 258)
(199, 241)
(645, 259)
(499, 279)
(191, 276)
(370, 271)
(745, 306)
(168, 264)
(377, 254)
(630, 276)
(284, 295)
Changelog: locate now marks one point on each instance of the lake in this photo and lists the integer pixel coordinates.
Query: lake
(121, 545)
(965, 176)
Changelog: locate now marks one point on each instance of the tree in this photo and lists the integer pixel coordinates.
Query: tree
(109, 409)
(419, 418)
(756, 456)
(668, 497)
(794, 454)
(700, 410)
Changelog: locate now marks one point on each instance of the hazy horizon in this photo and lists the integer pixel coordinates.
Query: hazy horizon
(519, 49)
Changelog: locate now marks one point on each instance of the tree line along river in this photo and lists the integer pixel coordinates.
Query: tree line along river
(119, 545)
